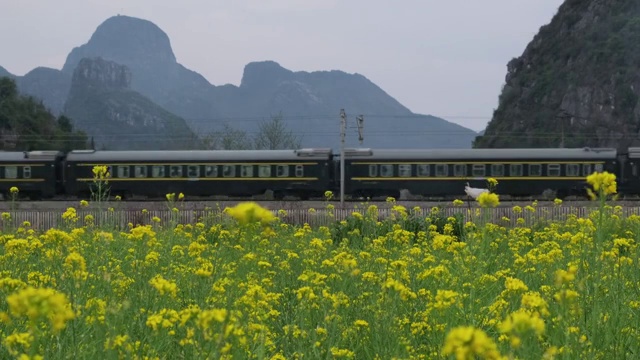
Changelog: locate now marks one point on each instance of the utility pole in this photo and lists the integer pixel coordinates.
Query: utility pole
(352, 152)
(360, 121)
(343, 130)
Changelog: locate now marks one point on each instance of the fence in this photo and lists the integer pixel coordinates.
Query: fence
(120, 218)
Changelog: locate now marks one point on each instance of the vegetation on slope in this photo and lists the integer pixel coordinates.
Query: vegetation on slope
(25, 124)
(576, 84)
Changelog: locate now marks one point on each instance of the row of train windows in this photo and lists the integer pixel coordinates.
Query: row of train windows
(480, 170)
(210, 171)
(11, 172)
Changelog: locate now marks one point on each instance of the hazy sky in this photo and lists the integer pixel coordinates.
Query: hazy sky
(445, 58)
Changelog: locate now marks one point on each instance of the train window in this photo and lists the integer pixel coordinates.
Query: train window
(515, 170)
(228, 170)
(553, 170)
(175, 171)
(599, 167)
(123, 171)
(386, 170)
(157, 171)
(535, 170)
(404, 170)
(26, 172)
(573, 169)
(373, 170)
(282, 170)
(442, 170)
(11, 172)
(211, 170)
(586, 169)
(459, 170)
(497, 170)
(423, 169)
(478, 170)
(299, 170)
(193, 171)
(246, 170)
(264, 170)
(140, 171)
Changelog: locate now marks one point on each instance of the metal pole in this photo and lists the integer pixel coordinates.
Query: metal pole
(343, 129)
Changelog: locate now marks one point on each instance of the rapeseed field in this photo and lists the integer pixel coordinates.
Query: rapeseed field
(246, 285)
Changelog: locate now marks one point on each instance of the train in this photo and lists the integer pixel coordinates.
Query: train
(308, 173)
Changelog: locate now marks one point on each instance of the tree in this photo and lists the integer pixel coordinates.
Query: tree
(227, 139)
(26, 124)
(8, 89)
(273, 135)
(64, 123)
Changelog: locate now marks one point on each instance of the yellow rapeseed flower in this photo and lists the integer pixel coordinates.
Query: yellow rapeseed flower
(250, 212)
(604, 183)
(488, 200)
(41, 303)
(101, 172)
(522, 322)
(458, 202)
(467, 342)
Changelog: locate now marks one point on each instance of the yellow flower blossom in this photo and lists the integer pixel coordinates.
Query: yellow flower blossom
(40, 304)
(488, 200)
(250, 212)
(603, 183)
(467, 342)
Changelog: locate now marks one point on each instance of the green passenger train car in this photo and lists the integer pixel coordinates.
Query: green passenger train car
(36, 174)
(445, 172)
(303, 172)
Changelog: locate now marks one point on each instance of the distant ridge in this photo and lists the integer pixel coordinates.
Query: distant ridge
(103, 105)
(309, 102)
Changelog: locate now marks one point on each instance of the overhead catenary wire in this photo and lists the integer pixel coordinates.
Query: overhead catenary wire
(500, 135)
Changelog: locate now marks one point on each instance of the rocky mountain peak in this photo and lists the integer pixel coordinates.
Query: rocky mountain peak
(264, 74)
(102, 74)
(576, 84)
(127, 77)
(125, 40)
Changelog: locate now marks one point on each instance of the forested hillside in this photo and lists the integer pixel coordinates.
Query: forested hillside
(25, 124)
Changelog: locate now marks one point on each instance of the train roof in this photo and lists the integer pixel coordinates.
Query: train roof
(482, 154)
(198, 155)
(30, 156)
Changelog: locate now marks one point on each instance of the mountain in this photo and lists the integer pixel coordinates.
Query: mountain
(576, 84)
(5, 73)
(50, 85)
(146, 50)
(25, 124)
(309, 102)
(102, 104)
